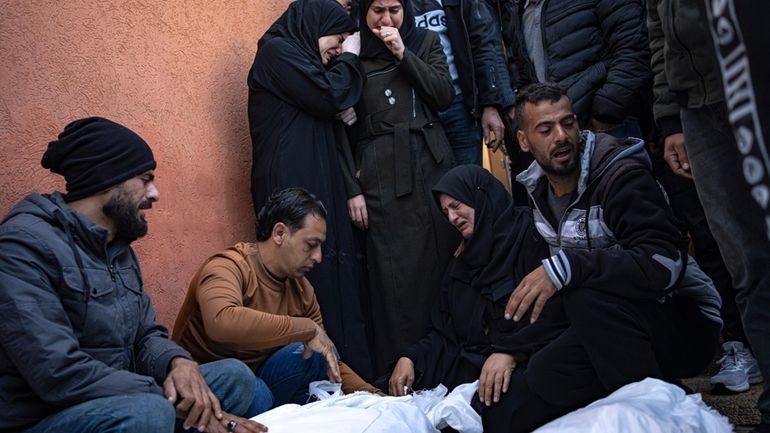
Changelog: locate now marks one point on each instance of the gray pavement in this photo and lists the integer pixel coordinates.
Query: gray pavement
(741, 408)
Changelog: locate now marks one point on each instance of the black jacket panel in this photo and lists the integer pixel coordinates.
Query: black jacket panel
(597, 49)
(476, 45)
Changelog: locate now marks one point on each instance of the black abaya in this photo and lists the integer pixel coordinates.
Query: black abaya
(467, 322)
(293, 100)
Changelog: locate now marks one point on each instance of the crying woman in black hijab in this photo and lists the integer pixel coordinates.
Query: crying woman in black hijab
(470, 339)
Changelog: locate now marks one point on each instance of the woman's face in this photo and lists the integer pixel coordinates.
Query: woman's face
(388, 13)
(459, 214)
(331, 46)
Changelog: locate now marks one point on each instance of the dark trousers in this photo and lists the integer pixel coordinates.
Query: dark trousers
(611, 342)
(687, 207)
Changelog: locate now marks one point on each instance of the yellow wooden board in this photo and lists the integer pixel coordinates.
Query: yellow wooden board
(498, 164)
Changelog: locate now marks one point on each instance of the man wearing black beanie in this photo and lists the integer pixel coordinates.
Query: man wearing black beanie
(81, 350)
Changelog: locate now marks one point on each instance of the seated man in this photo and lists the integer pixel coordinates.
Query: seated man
(80, 350)
(252, 302)
(618, 260)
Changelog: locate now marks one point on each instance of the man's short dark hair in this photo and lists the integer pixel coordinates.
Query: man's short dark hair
(290, 207)
(535, 93)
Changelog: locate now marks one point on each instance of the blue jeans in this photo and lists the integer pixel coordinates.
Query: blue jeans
(738, 225)
(230, 380)
(288, 375)
(263, 399)
(462, 131)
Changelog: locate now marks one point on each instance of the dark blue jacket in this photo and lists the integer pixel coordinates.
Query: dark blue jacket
(473, 31)
(597, 49)
(75, 322)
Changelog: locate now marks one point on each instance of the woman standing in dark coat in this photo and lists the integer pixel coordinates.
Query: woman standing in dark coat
(470, 339)
(303, 78)
(399, 153)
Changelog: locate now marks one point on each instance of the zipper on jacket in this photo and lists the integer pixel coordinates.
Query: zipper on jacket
(414, 105)
(112, 273)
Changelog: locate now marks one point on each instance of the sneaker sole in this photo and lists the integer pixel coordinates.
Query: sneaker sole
(722, 389)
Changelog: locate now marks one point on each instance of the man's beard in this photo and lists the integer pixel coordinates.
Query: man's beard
(129, 224)
(562, 170)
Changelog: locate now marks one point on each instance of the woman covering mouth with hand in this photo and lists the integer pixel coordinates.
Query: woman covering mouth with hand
(398, 151)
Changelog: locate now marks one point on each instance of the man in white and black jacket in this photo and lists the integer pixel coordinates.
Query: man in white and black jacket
(637, 308)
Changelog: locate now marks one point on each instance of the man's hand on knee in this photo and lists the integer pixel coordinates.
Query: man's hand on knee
(536, 288)
(321, 343)
(188, 391)
(495, 377)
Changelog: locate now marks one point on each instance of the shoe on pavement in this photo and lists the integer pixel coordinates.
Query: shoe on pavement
(738, 370)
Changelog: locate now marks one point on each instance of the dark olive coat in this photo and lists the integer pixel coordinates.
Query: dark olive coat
(399, 153)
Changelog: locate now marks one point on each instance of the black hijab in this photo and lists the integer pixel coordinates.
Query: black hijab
(503, 246)
(307, 20)
(373, 48)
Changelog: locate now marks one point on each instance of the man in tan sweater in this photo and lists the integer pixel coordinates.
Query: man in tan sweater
(252, 302)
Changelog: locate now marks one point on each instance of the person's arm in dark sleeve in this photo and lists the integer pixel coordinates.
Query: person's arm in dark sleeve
(323, 92)
(625, 35)
(492, 81)
(347, 160)
(36, 334)
(506, 22)
(666, 107)
(154, 349)
(430, 79)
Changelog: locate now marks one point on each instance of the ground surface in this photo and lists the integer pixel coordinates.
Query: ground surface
(741, 409)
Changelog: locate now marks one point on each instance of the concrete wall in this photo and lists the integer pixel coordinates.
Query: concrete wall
(174, 72)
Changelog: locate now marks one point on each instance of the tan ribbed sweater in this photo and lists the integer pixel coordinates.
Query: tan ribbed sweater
(236, 309)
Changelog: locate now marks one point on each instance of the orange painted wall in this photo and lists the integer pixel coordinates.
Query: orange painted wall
(174, 72)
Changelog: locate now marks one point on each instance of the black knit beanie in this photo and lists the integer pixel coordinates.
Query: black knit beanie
(94, 154)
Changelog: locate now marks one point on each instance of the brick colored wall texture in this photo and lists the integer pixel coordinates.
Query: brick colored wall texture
(174, 72)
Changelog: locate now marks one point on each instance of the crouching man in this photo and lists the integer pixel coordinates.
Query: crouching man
(636, 307)
(252, 302)
(80, 350)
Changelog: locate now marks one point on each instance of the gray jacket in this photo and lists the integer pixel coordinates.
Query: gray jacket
(75, 322)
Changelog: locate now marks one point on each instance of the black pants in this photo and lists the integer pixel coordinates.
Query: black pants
(611, 342)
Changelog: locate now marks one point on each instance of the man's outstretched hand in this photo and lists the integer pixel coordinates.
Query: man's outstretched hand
(534, 290)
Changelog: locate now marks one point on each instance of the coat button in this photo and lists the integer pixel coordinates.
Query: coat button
(388, 92)
(391, 100)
